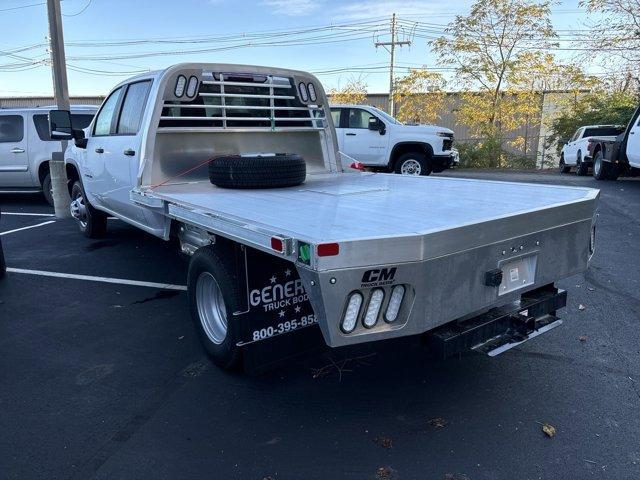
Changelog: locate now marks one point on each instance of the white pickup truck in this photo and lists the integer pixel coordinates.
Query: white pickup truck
(379, 141)
(239, 164)
(577, 151)
(26, 148)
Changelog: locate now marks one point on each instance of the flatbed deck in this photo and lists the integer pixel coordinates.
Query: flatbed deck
(368, 207)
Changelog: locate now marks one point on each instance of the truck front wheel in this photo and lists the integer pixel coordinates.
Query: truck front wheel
(213, 298)
(413, 163)
(91, 222)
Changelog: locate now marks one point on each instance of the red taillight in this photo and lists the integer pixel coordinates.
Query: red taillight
(277, 244)
(328, 249)
(357, 166)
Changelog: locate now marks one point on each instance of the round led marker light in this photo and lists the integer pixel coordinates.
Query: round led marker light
(395, 302)
(180, 84)
(375, 302)
(192, 87)
(312, 92)
(350, 318)
(304, 94)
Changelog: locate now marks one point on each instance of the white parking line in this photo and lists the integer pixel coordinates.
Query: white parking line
(26, 228)
(119, 281)
(25, 214)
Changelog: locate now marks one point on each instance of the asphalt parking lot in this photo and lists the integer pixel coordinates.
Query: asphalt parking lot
(105, 379)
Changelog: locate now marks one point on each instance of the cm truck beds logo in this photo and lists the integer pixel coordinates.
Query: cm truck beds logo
(378, 277)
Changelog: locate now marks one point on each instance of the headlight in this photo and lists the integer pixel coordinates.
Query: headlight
(443, 134)
(180, 84)
(192, 87)
(312, 92)
(371, 317)
(350, 318)
(304, 94)
(395, 302)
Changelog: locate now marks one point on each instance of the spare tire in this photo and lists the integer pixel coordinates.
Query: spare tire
(269, 171)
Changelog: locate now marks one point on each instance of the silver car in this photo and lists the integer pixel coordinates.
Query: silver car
(26, 148)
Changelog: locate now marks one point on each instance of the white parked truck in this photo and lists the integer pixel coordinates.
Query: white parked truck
(379, 141)
(240, 164)
(577, 151)
(26, 148)
(617, 156)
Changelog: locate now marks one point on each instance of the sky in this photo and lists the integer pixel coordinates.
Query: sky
(345, 52)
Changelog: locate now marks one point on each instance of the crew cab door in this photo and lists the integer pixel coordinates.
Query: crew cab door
(113, 151)
(14, 157)
(571, 149)
(633, 145)
(367, 146)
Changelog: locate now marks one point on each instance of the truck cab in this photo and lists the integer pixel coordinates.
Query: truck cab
(26, 147)
(379, 141)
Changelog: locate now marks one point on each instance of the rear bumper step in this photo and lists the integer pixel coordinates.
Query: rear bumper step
(500, 329)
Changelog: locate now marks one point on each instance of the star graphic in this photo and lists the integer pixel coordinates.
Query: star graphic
(297, 309)
(281, 313)
(273, 279)
(287, 272)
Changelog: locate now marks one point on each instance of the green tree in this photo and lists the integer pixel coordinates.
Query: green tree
(420, 96)
(498, 53)
(615, 30)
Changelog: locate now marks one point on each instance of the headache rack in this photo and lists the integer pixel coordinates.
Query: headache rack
(242, 102)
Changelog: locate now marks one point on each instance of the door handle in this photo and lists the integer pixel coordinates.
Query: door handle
(17, 150)
(351, 134)
(99, 150)
(129, 152)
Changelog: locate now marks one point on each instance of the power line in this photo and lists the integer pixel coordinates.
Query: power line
(80, 12)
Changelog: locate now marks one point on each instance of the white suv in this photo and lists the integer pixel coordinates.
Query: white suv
(378, 140)
(26, 147)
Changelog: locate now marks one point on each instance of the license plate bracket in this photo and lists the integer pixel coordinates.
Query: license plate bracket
(517, 273)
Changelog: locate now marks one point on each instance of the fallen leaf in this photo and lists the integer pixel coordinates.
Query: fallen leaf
(591, 289)
(582, 338)
(384, 442)
(549, 430)
(437, 422)
(581, 307)
(383, 472)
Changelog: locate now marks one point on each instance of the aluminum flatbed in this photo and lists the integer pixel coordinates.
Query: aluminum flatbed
(436, 216)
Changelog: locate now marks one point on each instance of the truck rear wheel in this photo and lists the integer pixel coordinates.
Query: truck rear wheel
(274, 171)
(91, 222)
(413, 163)
(213, 298)
(603, 170)
(47, 189)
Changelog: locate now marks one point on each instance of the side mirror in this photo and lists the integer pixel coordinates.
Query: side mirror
(377, 125)
(79, 138)
(60, 125)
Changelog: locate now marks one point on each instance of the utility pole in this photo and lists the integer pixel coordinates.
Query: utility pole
(61, 91)
(392, 50)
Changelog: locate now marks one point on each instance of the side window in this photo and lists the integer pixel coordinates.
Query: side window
(11, 128)
(359, 118)
(133, 108)
(335, 115)
(105, 115)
